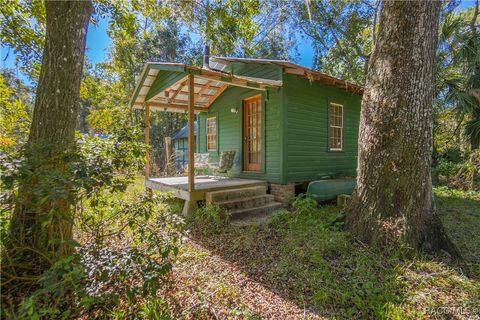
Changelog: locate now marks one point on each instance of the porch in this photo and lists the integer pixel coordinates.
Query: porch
(175, 87)
(178, 186)
(208, 188)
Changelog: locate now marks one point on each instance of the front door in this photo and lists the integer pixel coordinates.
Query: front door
(252, 133)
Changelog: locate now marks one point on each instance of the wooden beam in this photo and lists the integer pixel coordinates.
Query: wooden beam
(216, 95)
(182, 84)
(205, 87)
(147, 140)
(197, 95)
(179, 110)
(234, 82)
(150, 97)
(160, 106)
(296, 71)
(326, 79)
(180, 90)
(191, 133)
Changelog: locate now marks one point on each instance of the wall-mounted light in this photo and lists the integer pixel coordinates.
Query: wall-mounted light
(234, 110)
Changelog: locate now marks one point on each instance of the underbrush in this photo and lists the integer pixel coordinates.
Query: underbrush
(120, 255)
(305, 256)
(209, 219)
(463, 174)
(122, 259)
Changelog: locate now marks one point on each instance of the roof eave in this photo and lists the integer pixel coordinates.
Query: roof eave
(301, 71)
(208, 74)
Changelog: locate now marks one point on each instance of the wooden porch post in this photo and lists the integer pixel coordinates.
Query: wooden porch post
(147, 140)
(191, 134)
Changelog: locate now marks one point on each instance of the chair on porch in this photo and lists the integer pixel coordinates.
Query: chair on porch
(225, 163)
(201, 162)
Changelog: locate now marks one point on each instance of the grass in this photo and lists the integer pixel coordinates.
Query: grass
(460, 212)
(299, 266)
(298, 258)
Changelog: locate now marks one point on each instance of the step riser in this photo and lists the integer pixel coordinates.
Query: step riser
(234, 194)
(244, 203)
(247, 203)
(255, 212)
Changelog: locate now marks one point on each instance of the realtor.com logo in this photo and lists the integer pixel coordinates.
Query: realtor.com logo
(454, 310)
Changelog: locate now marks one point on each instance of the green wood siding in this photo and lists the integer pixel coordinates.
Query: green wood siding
(230, 131)
(295, 126)
(201, 136)
(307, 155)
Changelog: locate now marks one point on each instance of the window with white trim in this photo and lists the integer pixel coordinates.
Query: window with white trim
(336, 127)
(212, 134)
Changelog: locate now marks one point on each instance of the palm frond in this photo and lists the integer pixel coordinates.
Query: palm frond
(472, 130)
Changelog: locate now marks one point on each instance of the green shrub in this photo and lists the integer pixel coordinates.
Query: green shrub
(279, 218)
(125, 241)
(453, 155)
(463, 175)
(208, 220)
(62, 282)
(155, 309)
(304, 208)
(304, 205)
(131, 241)
(446, 168)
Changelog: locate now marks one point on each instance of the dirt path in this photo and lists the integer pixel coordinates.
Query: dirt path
(207, 286)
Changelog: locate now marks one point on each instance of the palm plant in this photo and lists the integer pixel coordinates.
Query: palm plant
(458, 71)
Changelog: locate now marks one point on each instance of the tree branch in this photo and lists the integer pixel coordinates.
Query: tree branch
(474, 18)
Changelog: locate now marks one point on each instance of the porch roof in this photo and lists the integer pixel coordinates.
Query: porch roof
(164, 86)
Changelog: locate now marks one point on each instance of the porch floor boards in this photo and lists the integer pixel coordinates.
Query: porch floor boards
(179, 185)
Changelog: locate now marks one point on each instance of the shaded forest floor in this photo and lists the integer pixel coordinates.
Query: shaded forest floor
(295, 267)
(298, 266)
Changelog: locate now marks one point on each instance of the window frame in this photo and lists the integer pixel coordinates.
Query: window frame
(330, 126)
(207, 134)
(262, 104)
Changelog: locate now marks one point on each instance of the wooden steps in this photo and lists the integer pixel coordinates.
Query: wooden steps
(255, 212)
(245, 202)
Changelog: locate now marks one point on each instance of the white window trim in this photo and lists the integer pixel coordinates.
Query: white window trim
(216, 131)
(332, 126)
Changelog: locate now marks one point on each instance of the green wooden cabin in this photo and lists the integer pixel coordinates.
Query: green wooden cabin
(288, 124)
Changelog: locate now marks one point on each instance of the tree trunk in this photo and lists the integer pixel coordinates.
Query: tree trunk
(393, 201)
(42, 220)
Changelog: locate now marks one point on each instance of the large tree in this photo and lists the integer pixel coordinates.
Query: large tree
(42, 222)
(393, 201)
(342, 33)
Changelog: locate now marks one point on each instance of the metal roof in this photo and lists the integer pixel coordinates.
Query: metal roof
(292, 68)
(209, 83)
(183, 133)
